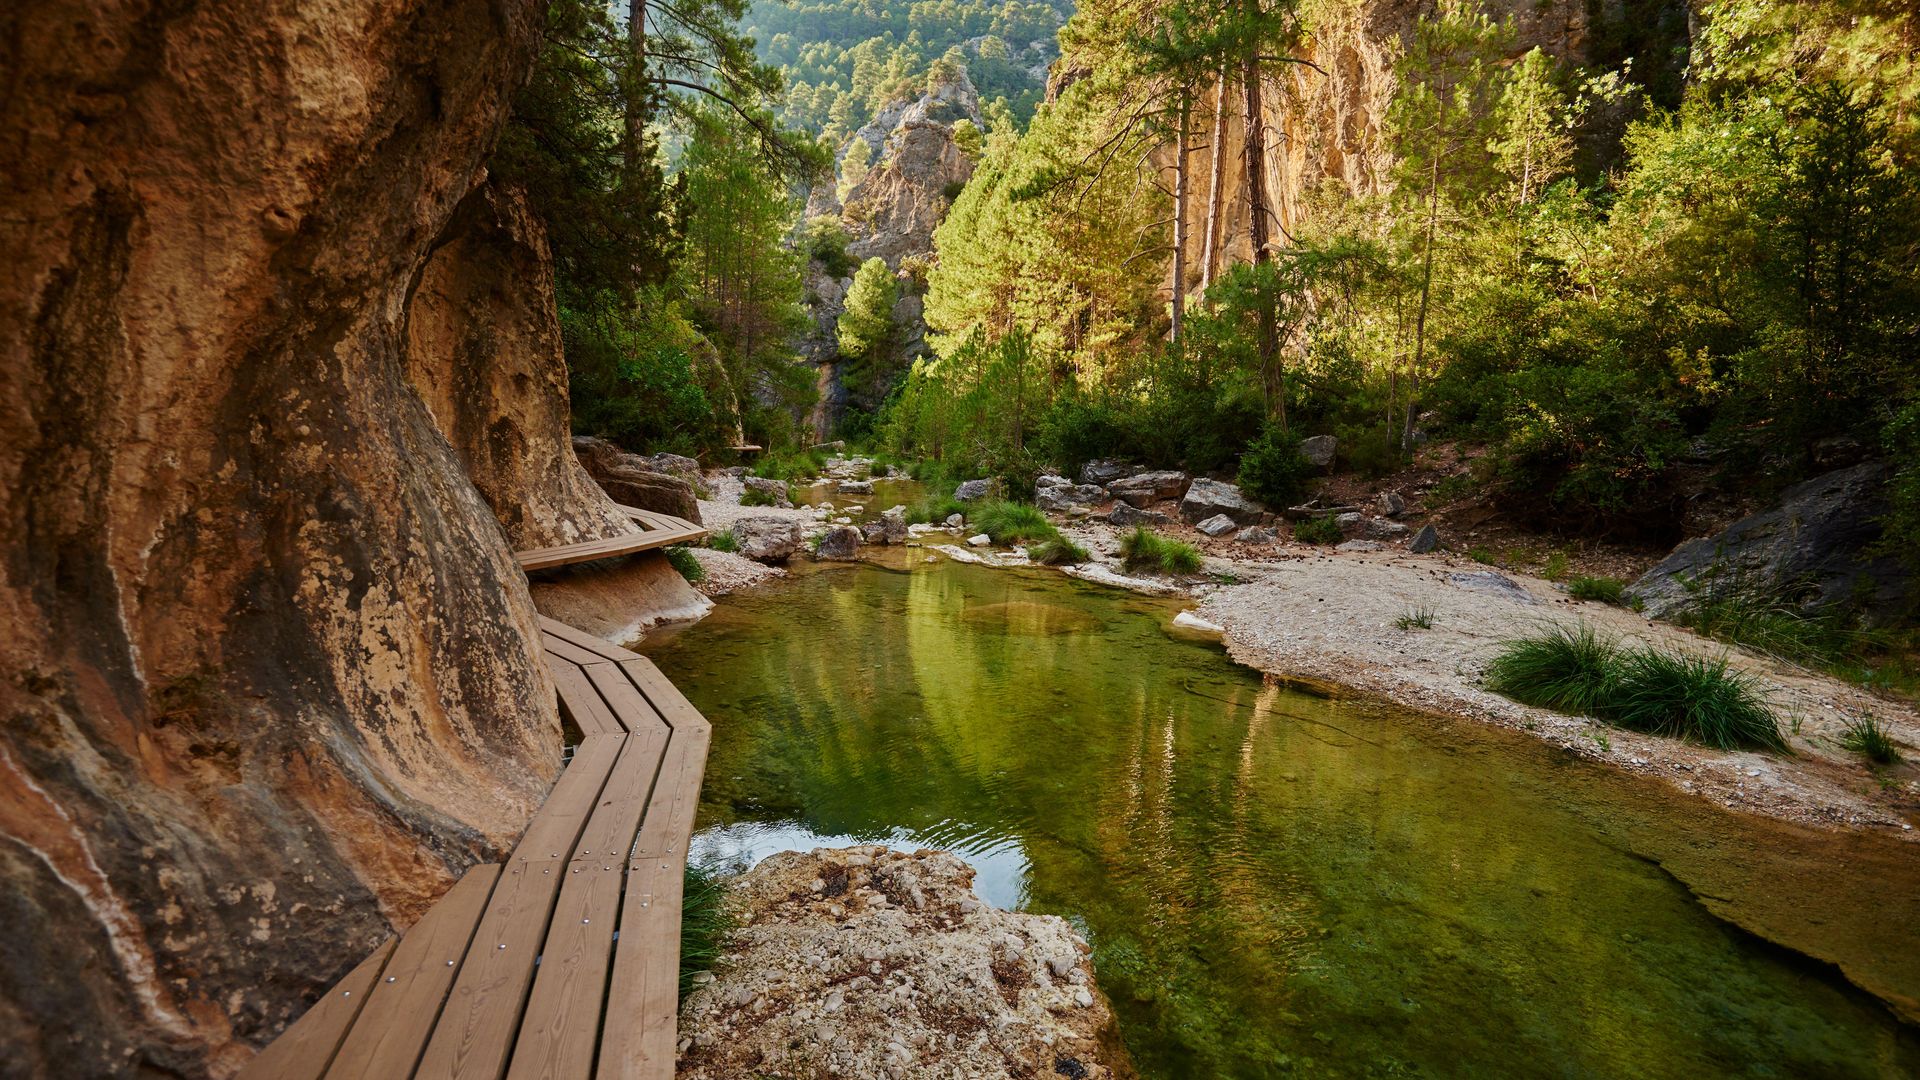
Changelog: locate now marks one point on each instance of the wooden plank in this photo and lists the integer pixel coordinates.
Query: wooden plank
(666, 698)
(305, 1049)
(581, 701)
(555, 828)
(580, 639)
(561, 1027)
(392, 1029)
(644, 991)
(610, 831)
(547, 558)
(476, 1029)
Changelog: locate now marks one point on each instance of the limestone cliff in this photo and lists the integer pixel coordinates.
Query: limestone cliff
(268, 677)
(483, 350)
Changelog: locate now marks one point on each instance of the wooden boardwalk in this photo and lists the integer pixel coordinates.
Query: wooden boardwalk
(565, 960)
(657, 531)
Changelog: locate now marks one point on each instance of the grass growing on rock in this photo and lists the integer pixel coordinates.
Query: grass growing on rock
(1320, 530)
(1058, 551)
(704, 923)
(1144, 549)
(1013, 523)
(723, 541)
(1574, 670)
(689, 567)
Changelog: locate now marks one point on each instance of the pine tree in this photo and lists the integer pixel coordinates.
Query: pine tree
(866, 331)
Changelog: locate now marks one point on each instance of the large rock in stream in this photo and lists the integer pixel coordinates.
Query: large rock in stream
(266, 651)
(866, 962)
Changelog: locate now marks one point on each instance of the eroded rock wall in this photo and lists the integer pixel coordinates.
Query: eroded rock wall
(483, 349)
(268, 681)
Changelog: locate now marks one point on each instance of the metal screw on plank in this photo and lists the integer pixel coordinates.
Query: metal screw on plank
(449, 963)
(390, 978)
(583, 922)
(503, 945)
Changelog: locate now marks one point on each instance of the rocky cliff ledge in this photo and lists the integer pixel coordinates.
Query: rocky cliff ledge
(875, 963)
(266, 652)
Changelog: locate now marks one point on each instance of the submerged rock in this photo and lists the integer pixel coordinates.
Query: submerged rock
(840, 542)
(865, 962)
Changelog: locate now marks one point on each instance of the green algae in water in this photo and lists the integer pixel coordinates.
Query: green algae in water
(1275, 884)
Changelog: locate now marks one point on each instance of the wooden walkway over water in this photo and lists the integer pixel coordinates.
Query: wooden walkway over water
(565, 960)
(657, 531)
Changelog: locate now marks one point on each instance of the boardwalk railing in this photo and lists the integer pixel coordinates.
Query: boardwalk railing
(564, 961)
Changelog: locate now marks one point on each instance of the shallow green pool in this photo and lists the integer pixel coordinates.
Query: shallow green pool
(1275, 884)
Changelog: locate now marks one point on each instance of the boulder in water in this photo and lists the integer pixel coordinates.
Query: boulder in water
(765, 539)
(840, 542)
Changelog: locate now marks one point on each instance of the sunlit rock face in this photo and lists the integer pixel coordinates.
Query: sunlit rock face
(269, 674)
(483, 350)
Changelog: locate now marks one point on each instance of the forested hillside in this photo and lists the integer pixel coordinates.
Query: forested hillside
(845, 59)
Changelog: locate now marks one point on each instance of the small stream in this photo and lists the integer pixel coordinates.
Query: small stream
(1274, 883)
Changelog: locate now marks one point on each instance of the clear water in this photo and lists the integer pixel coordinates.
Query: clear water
(1275, 884)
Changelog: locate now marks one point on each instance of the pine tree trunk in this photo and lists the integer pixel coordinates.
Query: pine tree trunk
(1216, 182)
(1256, 165)
(1180, 214)
(1426, 293)
(633, 141)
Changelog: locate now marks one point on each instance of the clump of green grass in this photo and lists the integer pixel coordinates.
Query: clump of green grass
(1483, 556)
(1144, 549)
(1604, 589)
(723, 541)
(1568, 670)
(1012, 522)
(757, 497)
(1058, 551)
(934, 509)
(790, 464)
(1869, 737)
(689, 567)
(1576, 671)
(705, 923)
(1692, 697)
(1557, 567)
(1319, 530)
(1420, 618)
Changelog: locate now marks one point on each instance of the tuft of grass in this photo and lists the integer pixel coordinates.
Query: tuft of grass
(1145, 549)
(1557, 567)
(1775, 624)
(705, 923)
(757, 497)
(1692, 697)
(1420, 618)
(1012, 522)
(1869, 737)
(1320, 530)
(934, 509)
(1567, 670)
(1604, 589)
(723, 541)
(1483, 556)
(1059, 551)
(790, 464)
(689, 567)
(1644, 689)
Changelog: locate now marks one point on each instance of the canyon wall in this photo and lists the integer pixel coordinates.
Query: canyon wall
(268, 681)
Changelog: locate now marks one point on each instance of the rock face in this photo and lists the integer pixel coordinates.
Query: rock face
(875, 963)
(1064, 496)
(1144, 489)
(895, 209)
(1319, 450)
(1105, 472)
(266, 651)
(1207, 498)
(630, 480)
(619, 601)
(483, 350)
(1812, 545)
(774, 491)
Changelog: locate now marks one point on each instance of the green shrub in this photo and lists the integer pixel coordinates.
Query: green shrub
(1420, 618)
(934, 509)
(1604, 589)
(1483, 556)
(1694, 698)
(683, 561)
(705, 923)
(1319, 530)
(1557, 568)
(1058, 551)
(1568, 670)
(1274, 470)
(757, 497)
(723, 541)
(1145, 549)
(790, 464)
(1869, 737)
(1012, 522)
